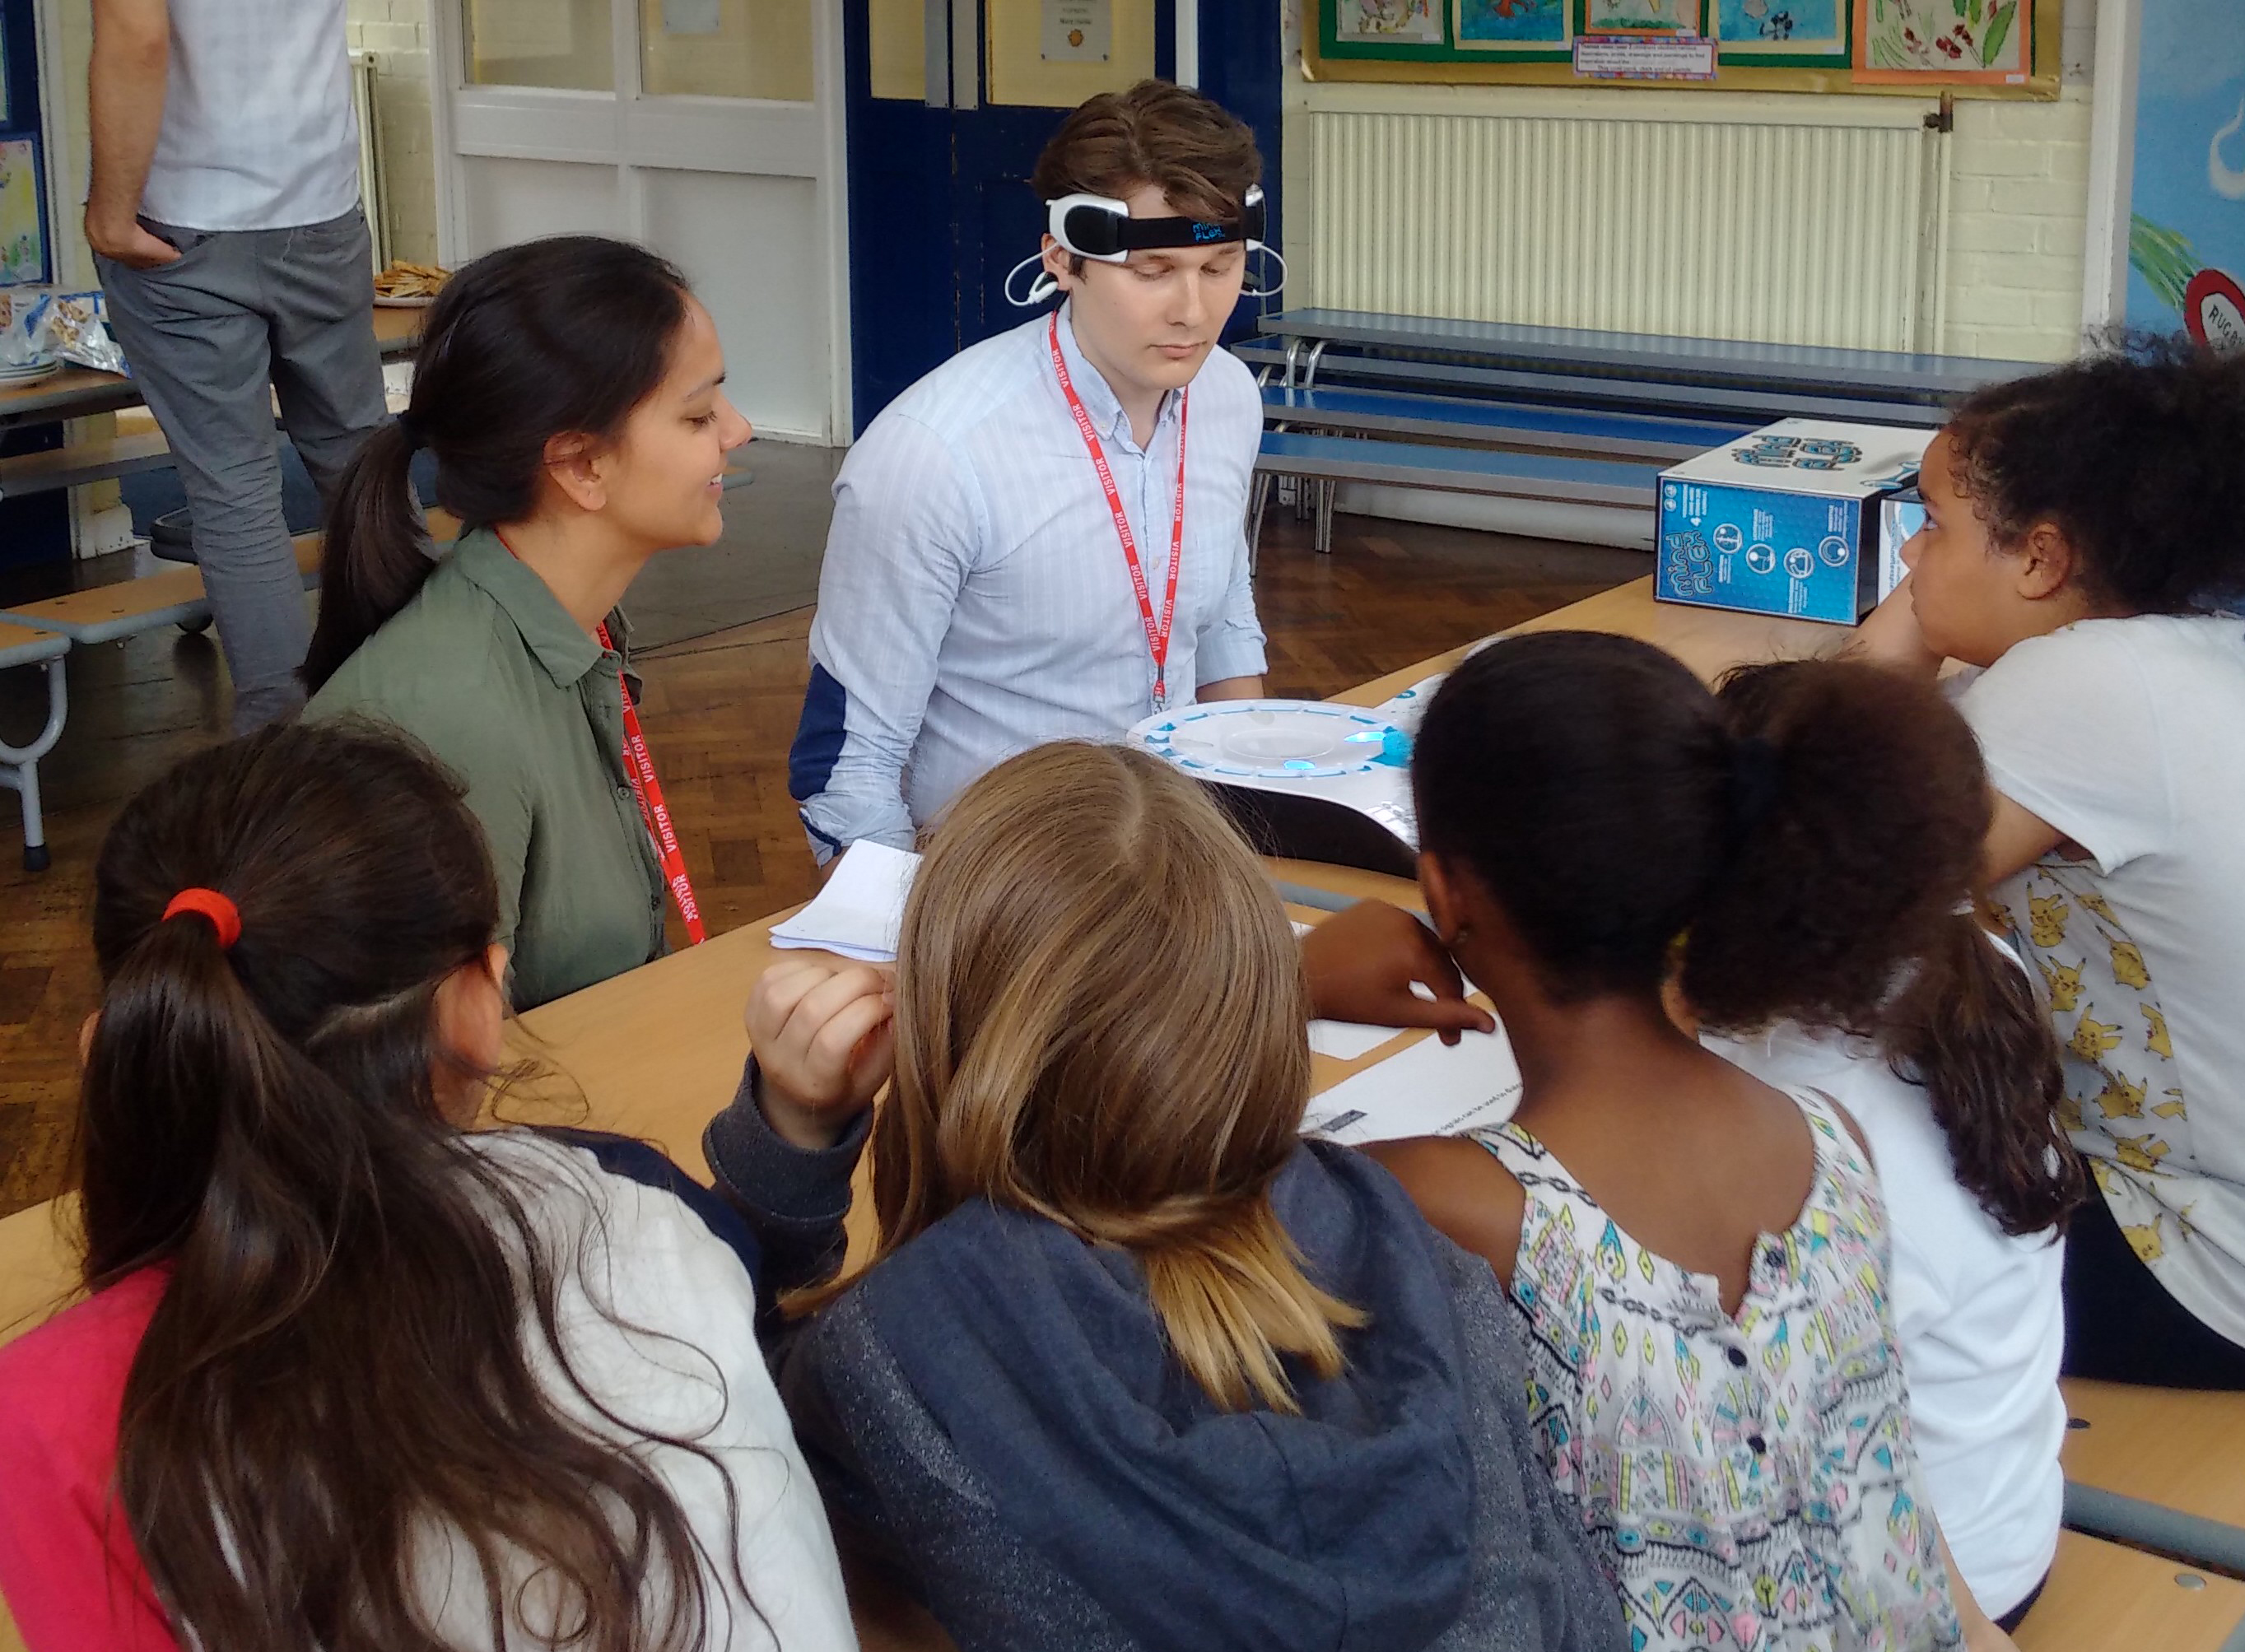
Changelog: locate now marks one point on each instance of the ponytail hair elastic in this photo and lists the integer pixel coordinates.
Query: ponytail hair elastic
(224, 915)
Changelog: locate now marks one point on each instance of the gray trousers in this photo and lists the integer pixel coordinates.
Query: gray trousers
(241, 310)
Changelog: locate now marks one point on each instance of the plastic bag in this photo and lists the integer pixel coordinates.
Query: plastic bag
(75, 326)
(19, 345)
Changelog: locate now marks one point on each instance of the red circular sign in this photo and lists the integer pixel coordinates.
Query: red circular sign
(2214, 309)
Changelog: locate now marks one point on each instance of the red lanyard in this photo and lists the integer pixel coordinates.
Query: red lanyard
(1157, 635)
(639, 769)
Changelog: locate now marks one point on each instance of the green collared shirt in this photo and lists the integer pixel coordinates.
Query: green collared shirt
(485, 668)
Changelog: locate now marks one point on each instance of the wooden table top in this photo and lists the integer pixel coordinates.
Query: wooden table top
(2181, 1448)
(80, 392)
(1710, 640)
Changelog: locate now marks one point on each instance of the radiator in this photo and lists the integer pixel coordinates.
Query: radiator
(1783, 233)
(363, 78)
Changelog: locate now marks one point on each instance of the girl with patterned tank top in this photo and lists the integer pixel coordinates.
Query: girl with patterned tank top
(1700, 1260)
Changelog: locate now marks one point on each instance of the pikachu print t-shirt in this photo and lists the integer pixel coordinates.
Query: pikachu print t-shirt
(2128, 735)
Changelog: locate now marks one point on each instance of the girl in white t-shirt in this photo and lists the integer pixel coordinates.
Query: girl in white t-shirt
(2084, 526)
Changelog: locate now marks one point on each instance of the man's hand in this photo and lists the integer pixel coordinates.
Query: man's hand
(1362, 962)
(128, 243)
(825, 1042)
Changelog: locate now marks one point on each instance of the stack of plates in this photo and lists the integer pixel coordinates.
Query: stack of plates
(29, 373)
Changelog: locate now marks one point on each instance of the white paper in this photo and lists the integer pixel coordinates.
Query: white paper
(1078, 30)
(861, 909)
(1346, 1040)
(1430, 1089)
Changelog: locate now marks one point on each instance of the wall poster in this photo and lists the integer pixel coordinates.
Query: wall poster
(2185, 196)
(1942, 42)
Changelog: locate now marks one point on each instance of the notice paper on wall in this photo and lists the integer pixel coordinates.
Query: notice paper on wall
(1643, 57)
(692, 16)
(1431, 1088)
(1078, 30)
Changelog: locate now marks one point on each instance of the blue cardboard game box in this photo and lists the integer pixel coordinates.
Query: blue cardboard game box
(1785, 520)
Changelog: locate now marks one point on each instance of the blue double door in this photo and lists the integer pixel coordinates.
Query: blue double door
(940, 207)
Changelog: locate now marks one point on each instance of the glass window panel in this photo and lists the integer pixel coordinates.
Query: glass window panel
(1020, 73)
(566, 43)
(727, 49)
(898, 37)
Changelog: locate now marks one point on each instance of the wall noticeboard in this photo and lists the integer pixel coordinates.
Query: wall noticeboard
(1975, 48)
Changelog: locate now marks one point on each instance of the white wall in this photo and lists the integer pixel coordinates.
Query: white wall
(397, 31)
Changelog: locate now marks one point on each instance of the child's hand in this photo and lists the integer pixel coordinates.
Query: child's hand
(1890, 636)
(1362, 961)
(825, 1042)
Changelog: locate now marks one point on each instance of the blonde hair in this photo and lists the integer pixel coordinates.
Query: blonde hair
(1102, 1020)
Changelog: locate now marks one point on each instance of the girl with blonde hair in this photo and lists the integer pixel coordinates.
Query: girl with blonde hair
(1134, 1365)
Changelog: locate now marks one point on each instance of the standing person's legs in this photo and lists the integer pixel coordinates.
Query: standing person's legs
(2122, 1326)
(327, 369)
(197, 345)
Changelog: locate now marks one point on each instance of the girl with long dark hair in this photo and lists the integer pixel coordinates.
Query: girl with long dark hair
(1701, 1259)
(572, 391)
(352, 1375)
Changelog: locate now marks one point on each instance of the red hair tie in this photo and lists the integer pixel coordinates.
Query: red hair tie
(224, 915)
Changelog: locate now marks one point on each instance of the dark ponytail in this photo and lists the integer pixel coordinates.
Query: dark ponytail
(548, 338)
(1801, 843)
(339, 1363)
(2138, 456)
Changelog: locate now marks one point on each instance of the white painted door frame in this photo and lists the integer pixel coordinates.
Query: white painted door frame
(632, 132)
(2112, 164)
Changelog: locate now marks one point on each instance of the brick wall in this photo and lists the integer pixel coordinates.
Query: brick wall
(397, 31)
(2018, 210)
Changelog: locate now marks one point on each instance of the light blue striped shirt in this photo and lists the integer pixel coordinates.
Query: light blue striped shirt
(974, 600)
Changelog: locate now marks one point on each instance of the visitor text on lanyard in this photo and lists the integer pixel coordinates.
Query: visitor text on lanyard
(1157, 631)
(639, 769)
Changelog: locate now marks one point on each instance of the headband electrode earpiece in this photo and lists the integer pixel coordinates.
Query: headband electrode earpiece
(1101, 228)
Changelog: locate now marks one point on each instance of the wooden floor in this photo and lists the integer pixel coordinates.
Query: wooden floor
(720, 713)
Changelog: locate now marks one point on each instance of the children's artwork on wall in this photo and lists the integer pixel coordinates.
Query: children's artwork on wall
(1983, 49)
(1389, 22)
(22, 234)
(1502, 26)
(1641, 16)
(1782, 28)
(2187, 196)
(1904, 42)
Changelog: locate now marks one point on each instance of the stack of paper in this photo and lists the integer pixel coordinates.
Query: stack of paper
(861, 909)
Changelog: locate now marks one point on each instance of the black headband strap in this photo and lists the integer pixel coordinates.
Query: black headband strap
(1099, 233)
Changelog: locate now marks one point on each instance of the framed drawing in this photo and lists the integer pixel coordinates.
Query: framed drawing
(1937, 43)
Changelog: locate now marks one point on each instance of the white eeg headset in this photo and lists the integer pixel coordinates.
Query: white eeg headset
(1100, 227)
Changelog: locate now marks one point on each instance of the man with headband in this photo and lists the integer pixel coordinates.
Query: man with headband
(1044, 537)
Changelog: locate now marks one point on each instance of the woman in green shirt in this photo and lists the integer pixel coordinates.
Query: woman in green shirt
(572, 391)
